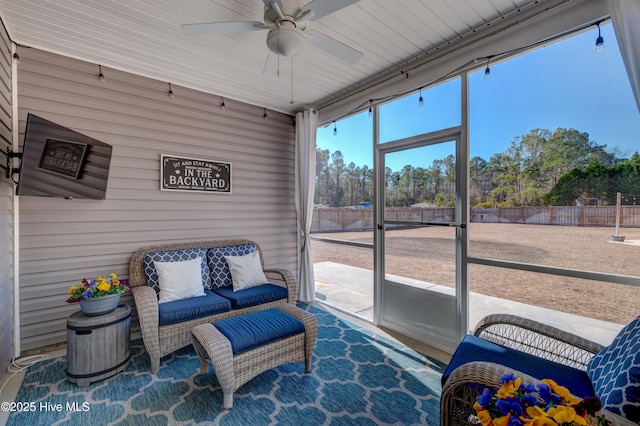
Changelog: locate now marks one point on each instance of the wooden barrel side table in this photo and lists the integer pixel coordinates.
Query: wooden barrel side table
(98, 347)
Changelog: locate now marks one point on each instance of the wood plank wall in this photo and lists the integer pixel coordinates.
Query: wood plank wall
(62, 241)
(6, 209)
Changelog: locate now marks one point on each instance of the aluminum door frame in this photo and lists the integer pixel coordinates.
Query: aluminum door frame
(454, 331)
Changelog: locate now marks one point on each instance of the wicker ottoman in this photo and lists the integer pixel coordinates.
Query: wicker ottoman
(241, 354)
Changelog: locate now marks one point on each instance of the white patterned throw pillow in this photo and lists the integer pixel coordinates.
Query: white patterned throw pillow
(173, 256)
(246, 271)
(179, 280)
(220, 273)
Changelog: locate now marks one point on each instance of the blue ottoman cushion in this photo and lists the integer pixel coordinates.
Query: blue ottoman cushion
(474, 348)
(252, 296)
(191, 308)
(615, 372)
(249, 331)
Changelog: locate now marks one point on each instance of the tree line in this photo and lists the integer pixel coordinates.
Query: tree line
(563, 167)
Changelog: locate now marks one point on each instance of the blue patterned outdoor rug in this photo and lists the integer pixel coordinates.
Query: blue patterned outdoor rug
(358, 378)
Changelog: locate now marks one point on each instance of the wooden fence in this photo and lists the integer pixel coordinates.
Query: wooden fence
(361, 219)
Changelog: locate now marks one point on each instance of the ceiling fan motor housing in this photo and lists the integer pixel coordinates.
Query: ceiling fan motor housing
(288, 25)
(286, 39)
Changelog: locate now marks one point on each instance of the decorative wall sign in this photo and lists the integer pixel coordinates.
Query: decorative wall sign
(63, 157)
(194, 174)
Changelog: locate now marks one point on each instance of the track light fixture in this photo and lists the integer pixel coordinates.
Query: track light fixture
(265, 114)
(599, 40)
(100, 75)
(222, 105)
(171, 94)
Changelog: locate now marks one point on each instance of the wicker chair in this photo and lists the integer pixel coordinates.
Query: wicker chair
(465, 382)
(161, 340)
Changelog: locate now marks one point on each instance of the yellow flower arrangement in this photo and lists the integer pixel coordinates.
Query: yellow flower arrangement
(97, 287)
(547, 404)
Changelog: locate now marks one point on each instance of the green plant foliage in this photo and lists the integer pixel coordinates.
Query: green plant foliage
(596, 182)
(563, 167)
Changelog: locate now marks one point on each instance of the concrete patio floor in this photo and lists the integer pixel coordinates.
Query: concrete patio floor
(350, 289)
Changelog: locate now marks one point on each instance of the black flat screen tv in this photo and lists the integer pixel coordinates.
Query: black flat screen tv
(60, 162)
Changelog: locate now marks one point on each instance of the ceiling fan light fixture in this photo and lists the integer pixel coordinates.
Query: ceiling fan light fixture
(286, 39)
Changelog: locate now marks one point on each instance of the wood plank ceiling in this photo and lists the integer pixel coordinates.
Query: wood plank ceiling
(144, 37)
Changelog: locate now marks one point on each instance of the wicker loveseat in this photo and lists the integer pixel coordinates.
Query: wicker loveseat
(166, 327)
(508, 344)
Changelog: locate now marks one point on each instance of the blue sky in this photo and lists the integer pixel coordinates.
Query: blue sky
(591, 94)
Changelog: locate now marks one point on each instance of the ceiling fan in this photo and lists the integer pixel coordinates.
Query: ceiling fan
(288, 26)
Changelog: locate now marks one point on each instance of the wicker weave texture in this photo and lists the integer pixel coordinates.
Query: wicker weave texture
(161, 340)
(465, 383)
(537, 339)
(234, 371)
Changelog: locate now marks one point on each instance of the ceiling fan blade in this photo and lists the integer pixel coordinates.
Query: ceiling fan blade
(333, 47)
(271, 66)
(322, 8)
(222, 27)
(268, 3)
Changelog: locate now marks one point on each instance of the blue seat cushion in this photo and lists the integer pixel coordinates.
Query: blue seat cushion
(615, 373)
(192, 308)
(249, 331)
(474, 348)
(252, 296)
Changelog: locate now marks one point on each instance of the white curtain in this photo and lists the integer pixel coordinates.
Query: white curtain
(625, 15)
(305, 169)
